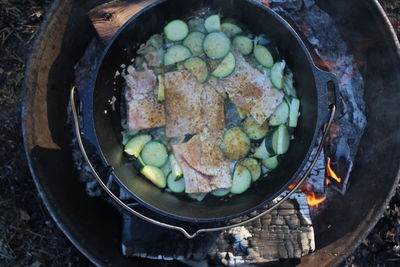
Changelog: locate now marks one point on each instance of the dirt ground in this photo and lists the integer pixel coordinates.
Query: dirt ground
(28, 236)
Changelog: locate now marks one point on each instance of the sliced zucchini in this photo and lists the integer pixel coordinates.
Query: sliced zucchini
(180, 66)
(161, 89)
(241, 179)
(265, 71)
(294, 112)
(176, 169)
(154, 153)
(253, 166)
(261, 151)
(253, 129)
(127, 135)
(236, 143)
(176, 53)
(221, 192)
(136, 144)
(213, 23)
(197, 24)
(195, 42)
(230, 29)
(155, 175)
(197, 196)
(216, 45)
(138, 163)
(263, 56)
(268, 143)
(281, 140)
(277, 74)
(261, 39)
(175, 186)
(273, 49)
(288, 84)
(280, 115)
(198, 68)
(226, 67)
(166, 168)
(264, 170)
(243, 44)
(176, 30)
(271, 163)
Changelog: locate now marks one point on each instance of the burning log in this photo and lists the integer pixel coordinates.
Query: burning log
(316, 181)
(282, 234)
(332, 54)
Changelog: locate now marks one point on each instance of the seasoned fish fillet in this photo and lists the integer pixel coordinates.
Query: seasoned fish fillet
(203, 164)
(182, 103)
(195, 182)
(212, 105)
(217, 86)
(191, 106)
(250, 90)
(143, 109)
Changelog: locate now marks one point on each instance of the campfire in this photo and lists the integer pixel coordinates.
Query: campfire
(306, 223)
(331, 172)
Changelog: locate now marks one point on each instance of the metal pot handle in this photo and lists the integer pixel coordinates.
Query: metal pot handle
(178, 228)
(328, 93)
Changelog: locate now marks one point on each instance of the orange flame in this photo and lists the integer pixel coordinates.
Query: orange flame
(330, 172)
(313, 200)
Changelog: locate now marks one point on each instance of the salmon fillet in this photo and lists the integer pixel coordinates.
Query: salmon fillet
(143, 109)
(250, 90)
(191, 106)
(203, 164)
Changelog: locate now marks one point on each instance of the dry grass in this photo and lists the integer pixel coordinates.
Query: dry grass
(392, 8)
(28, 237)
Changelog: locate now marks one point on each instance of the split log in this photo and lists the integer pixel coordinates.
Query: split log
(109, 17)
(284, 233)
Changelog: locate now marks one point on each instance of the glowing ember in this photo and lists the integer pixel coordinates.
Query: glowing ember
(324, 64)
(330, 172)
(266, 3)
(313, 200)
(291, 186)
(334, 130)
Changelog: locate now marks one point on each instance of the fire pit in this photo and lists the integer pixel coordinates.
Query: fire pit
(339, 227)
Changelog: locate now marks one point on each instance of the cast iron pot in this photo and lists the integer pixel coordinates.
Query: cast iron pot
(103, 129)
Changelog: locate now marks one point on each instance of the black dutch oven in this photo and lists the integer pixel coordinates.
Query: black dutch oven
(103, 130)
